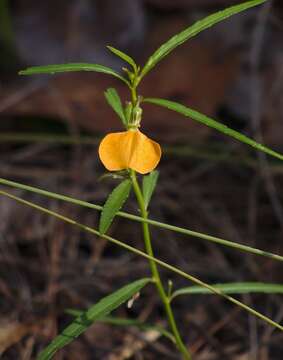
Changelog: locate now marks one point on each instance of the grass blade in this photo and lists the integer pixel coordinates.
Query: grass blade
(148, 186)
(123, 56)
(114, 101)
(146, 256)
(73, 67)
(113, 204)
(193, 30)
(171, 105)
(177, 229)
(232, 288)
(87, 318)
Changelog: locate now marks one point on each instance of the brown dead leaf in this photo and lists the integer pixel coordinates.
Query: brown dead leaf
(132, 345)
(245, 356)
(11, 333)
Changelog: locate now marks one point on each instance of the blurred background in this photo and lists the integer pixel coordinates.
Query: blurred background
(49, 130)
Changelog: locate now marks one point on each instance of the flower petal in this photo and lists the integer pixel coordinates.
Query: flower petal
(146, 154)
(129, 150)
(110, 152)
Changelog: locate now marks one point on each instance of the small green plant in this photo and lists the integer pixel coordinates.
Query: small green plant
(135, 157)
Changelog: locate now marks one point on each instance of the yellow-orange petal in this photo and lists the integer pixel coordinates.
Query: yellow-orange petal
(129, 150)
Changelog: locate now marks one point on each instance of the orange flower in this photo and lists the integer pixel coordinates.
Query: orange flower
(129, 149)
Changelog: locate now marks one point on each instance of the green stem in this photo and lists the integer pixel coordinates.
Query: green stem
(154, 270)
(134, 95)
(146, 256)
(128, 216)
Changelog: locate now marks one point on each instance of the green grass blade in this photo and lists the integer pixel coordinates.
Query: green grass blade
(213, 124)
(113, 204)
(123, 56)
(148, 186)
(87, 318)
(146, 256)
(73, 67)
(114, 101)
(232, 288)
(193, 30)
(177, 229)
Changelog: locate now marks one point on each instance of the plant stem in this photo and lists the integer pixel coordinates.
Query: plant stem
(154, 270)
(134, 95)
(128, 216)
(167, 266)
(147, 241)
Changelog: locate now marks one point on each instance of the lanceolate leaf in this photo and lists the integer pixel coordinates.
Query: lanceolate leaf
(117, 321)
(113, 204)
(213, 124)
(193, 30)
(145, 255)
(114, 101)
(94, 313)
(52, 69)
(148, 186)
(232, 288)
(123, 56)
(198, 235)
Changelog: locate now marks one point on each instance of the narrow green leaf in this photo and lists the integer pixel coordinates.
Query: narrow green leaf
(213, 124)
(123, 56)
(94, 313)
(117, 321)
(61, 68)
(193, 30)
(177, 229)
(232, 288)
(113, 204)
(148, 186)
(140, 325)
(146, 256)
(114, 101)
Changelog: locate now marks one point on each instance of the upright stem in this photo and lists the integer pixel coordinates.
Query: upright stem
(134, 95)
(147, 241)
(154, 270)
